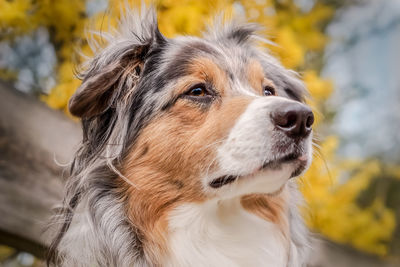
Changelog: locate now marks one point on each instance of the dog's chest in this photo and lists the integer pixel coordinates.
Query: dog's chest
(207, 235)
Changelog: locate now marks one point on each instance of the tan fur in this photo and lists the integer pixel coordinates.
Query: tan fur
(207, 70)
(203, 70)
(271, 208)
(256, 77)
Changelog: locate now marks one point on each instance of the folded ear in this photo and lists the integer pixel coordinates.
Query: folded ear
(102, 84)
(120, 61)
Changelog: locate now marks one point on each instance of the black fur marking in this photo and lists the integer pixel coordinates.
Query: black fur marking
(179, 65)
(242, 34)
(221, 181)
(293, 94)
(201, 47)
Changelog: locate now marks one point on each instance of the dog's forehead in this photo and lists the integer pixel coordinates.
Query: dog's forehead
(176, 58)
(229, 57)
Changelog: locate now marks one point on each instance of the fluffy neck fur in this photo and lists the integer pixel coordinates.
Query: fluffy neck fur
(214, 233)
(223, 233)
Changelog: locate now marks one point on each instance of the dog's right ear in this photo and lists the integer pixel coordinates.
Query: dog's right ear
(122, 60)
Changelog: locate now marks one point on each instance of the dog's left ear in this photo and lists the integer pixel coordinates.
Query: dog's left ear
(116, 69)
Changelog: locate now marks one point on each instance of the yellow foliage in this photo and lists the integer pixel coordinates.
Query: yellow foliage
(319, 89)
(6, 74)
(295, 33)
(64, 89)
(289, 50)
(310, 37)
(183, 19)
(332, 207)
(13, 16)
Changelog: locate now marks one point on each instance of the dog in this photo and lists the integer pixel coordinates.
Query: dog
(190, 146)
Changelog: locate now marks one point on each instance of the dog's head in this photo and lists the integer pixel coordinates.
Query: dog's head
(189, 119)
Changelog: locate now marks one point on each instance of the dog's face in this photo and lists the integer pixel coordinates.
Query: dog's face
(200, 118)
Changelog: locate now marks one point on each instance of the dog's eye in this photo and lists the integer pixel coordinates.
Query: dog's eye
(199, 93)
(269, 90)
(198, 90)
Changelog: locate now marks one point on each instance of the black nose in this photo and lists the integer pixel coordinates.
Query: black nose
(294, 119)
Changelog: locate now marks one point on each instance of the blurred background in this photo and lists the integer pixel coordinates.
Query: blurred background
(346, 51)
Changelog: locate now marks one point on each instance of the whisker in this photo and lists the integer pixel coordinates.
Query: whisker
(320, 154)
(209, 166)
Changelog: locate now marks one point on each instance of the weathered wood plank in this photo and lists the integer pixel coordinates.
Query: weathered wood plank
(32, 136)
(328, 254)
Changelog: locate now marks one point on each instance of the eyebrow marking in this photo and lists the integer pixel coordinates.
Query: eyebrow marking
(255, 75)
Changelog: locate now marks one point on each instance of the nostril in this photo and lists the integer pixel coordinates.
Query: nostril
(285, 119)
(291, 120)
(310, 120)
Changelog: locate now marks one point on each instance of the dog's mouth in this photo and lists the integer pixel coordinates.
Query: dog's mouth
(301, 161)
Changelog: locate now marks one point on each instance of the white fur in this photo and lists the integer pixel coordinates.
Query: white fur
(222, 233)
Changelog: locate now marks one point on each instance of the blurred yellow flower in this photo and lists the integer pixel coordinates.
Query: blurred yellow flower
(13, 16)
(289, 50)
